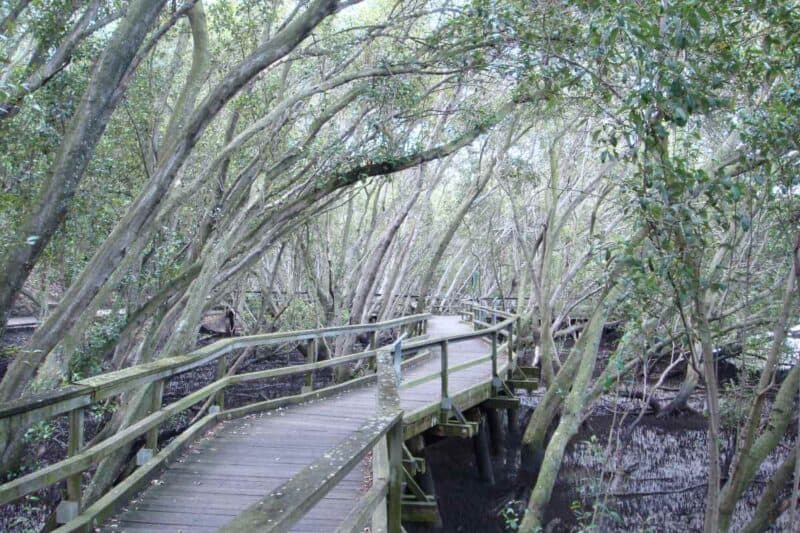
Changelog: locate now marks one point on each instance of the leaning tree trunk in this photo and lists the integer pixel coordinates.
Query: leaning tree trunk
(86, 128)
(182, 332)
(41, 222)
(745, 456)
(574, 406)
(376, 259)
(688, 386)
(444, 243)
(139, 218)
(771, 505)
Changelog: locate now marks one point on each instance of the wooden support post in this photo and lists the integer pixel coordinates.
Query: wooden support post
(481, 444)
(380, 471)
(311, 357)
(373, 345)
(510, 350)
(398, 361)
(513, 421)
(496, 430)
(425, 477)
(155, 405)
(416, 448)
(445, 394)
(222, 368)
(73, 448)
(494, 354)
(395, 495)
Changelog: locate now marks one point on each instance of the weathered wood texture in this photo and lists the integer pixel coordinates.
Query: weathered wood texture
(241, 461)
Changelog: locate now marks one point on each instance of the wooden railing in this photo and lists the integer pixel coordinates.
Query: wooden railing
(383, 435)
(74, 399)
(277, 511)
(493, 332)
(494, 302)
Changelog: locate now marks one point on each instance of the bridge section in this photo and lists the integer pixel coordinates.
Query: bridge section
(241, 460)
(333, 459)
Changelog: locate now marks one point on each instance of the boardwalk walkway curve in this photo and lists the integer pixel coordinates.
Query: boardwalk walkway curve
(332, 459)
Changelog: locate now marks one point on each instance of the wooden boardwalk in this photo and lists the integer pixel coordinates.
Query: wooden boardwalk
(240, 461)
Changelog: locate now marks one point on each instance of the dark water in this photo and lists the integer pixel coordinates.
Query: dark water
(466, 502)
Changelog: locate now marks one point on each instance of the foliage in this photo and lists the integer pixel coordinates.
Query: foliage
(510, 515)
(638, 158)
(88, 359)
(40, 432)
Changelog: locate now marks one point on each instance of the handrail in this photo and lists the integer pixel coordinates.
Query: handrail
(287, 504)
(102, 386)
(388, 403)
(497, 312)
(63, 469)
(428, 343)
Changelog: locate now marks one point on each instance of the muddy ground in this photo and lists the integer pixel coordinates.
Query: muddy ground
(660, 484)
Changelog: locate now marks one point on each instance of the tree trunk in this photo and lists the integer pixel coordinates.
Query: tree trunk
(769, 506)
(139, 218)
(744, 457)
(84, 132)
(574, 406)
(441, 248)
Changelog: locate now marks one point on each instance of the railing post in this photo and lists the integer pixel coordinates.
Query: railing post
(494, 354)
(380, 471)
(155, 405)
(445, 393)
(394, 496)
(389, 405)
(372, 363)
(510, 347)
(398, 360)
(373, 339)
(222, 368)
(69, 508)
(311, 357)
(74, 446)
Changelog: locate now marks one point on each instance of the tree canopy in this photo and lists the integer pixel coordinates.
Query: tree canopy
(310, 164)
